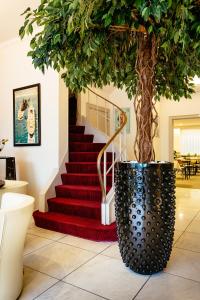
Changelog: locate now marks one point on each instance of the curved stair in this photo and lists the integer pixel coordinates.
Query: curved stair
(76, 209)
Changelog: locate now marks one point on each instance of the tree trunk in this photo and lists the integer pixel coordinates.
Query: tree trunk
(144, 105)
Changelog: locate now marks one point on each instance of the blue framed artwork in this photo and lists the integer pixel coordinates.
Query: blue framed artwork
(26, 116)
(118, 119)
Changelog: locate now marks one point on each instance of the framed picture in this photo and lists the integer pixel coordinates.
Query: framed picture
(118, 119)
(26, 116)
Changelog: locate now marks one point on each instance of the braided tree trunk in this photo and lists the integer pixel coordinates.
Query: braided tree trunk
(146, 115)
(145, 190)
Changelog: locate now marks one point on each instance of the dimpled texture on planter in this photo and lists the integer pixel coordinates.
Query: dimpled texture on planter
(145, 214)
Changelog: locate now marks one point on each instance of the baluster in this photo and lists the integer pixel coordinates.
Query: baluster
(125, 143)
(109, 127)
(105, 119)
(113, 163)
(97, 114)
(120, 146)
(104, 171)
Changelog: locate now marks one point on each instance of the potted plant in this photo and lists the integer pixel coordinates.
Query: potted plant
(150, 48)
(2, 144)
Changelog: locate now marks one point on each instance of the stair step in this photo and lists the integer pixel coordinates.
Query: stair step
(76, 129)
(84, 167)
(84, 179)
(76, 207)
(79, 137)
(77, 226)
(91, 193)
(87, 156)
(85, 147)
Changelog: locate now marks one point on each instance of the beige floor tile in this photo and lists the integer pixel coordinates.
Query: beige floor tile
(187, 207)
(34, 242)
(96, 247)
(189, 202)
(177, 234)
(184, 263)
(189, 241)
(48, 234)
(169, 287)
(185, 212)
(194, 227)
(182, 224)
(32, 223)
(34, 284)
(57, 259)
(185, 193)
(107, 277)
(112, 251)
(64, 291)
(197, 218)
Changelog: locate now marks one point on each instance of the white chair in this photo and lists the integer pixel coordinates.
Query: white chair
(179, 169)
(15, 214)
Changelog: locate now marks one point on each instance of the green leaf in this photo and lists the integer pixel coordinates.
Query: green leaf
(28, 9)
(176, 37)
(138, 3)
(150, 29)
(33, 43)
(157, 13)
(22, 32)
(108, 20)
(30, 29)
(75, 35)
(169, 3)
(165, 45)
(145, 13)
(57, 38)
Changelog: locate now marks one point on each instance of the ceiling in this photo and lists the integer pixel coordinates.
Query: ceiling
(10, 19)
(187, 123)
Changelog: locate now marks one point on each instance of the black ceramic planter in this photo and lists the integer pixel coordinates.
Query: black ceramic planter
(145, 214)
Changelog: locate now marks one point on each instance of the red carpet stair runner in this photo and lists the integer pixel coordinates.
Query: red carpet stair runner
(76, 209)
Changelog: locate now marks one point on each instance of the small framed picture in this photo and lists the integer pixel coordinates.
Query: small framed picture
(118, 120)
(26, 116)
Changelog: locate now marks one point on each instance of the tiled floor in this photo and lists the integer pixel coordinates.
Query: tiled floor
(62, 267)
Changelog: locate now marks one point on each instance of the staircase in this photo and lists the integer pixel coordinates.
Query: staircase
(76, 209)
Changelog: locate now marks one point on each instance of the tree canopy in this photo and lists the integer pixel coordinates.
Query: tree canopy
(94, 42)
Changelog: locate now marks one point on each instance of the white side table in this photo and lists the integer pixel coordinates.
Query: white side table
(14, 186)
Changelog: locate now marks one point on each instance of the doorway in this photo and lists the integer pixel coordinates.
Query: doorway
(186, 150)
(72, 108)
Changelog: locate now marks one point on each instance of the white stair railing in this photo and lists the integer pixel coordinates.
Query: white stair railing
(109, 119)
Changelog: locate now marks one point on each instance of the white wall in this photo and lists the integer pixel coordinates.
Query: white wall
(174, 109)
(63, 120)
(34, 164)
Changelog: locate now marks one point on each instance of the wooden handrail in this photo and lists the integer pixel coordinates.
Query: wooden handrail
(103, 150)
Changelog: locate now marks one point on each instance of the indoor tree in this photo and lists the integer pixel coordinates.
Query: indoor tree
(150, 48)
